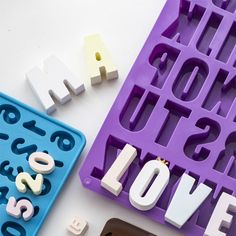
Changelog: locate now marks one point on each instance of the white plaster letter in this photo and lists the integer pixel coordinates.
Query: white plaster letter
(52, 81)
(184, 204)
(220, 217)
(111, 179)
(142, 182)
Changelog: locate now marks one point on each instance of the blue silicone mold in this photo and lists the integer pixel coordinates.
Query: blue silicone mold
(23, 131)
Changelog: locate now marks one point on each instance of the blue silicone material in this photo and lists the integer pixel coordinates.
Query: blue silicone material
(23, 131)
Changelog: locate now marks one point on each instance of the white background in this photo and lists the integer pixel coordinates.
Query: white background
(30, 31)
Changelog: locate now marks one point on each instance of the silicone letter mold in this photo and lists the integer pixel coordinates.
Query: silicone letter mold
(228, 5)
(54, 81)
(196, 145)
(204, 43)
(225, 163)
(222, 94)
(137, 196)
(99, 61)
(138, 109)
(183, 28)
(176, 112)
(111, 180)
(15, 208)
(178, 102)
(163, 58)
(185, 202)
(228, 45)
(190, 79)
(221, 217)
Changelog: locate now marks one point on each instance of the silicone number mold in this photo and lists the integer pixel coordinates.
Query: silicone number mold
(23, 132)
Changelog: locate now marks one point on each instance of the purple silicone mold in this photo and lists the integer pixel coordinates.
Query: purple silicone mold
(178, 103)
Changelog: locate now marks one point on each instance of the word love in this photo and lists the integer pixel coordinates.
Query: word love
(41, 163)
(145, 193)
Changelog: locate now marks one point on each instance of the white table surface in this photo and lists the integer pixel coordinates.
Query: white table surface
(31, 30)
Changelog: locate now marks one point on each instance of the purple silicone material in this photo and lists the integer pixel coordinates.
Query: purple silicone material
(178, 103)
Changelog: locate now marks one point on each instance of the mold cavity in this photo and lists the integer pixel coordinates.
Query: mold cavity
(130, 106)
(175, 113)
(8, 171)
(190, 79)
(11, 228)
(226, 160)
(224, 190)
(113, 148)
(22, 150)
(11, 114)
(57, 162)
(228, 5)
(65, 141)
(183, 28)
(46, 186)
(36, 211)
(152, 179)
(163, 58)
(175, 175)
(31, 125)
(228, 45)
(3, 195)
(195, 185)
(138, 109)
(196, 145)
(4, 136)
(98, 56)
(207, 207)
(221, 95)
(205, 40)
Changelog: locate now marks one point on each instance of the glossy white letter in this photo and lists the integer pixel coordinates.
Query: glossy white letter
(143, 180)
(184, 203)
(111, 179)
(220, 217)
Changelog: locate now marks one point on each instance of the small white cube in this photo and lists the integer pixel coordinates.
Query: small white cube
(78, 226)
